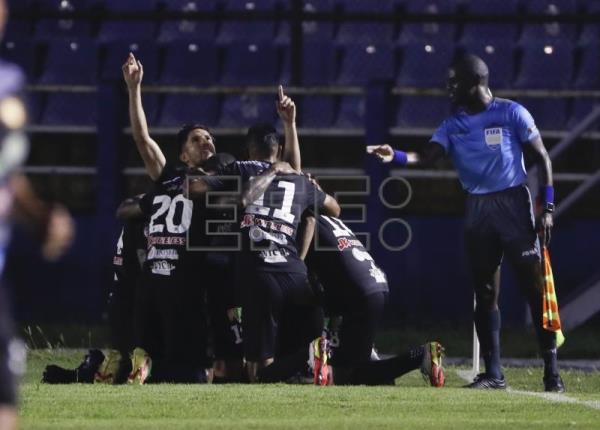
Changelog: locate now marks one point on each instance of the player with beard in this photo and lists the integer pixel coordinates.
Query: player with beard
(274, 278)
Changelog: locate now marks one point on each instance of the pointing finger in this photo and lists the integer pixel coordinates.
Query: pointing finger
(280, 93)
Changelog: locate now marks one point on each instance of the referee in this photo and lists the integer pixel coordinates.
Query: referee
(486, 138)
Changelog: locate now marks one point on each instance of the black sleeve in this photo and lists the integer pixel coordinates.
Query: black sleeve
(146, 204)
(225, 179)
(315, 197)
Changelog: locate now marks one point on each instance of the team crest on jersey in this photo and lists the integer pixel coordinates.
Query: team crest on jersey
(493, 137)
(344, 243)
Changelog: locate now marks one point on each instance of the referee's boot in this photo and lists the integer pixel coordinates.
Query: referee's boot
(486, 382)
(554, 384)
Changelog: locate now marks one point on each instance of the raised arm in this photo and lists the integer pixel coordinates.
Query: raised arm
(430, 152)
(151, 154)
(306, 232)
(258, 185)
(286, 109)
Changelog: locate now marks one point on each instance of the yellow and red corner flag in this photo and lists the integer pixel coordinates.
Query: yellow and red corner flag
(550, 317)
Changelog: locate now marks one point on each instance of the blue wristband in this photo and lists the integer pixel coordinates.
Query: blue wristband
(548, 194)
(400, 158)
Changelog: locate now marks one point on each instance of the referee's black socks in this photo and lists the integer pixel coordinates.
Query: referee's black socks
(488, 330)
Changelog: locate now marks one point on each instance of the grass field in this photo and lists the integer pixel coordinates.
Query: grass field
(410, 404)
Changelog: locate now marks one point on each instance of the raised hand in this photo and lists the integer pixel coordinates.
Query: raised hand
(286, 108)
(133, 72)
(385, 153)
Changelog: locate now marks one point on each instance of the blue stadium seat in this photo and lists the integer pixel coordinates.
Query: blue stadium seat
(590, 32)
(233, 30)
(72, 63)
(193, 63)
(19, 5)
(179, 109)
(351, 112)
(70, 109)
(72, 29)
(115, 54)
(500, 58)
(250, 64)
(425, 64)
(247, 109)
(588, 73)
(362, 63)
(488, 31)
(20, 52)
(18, 29)
(35, 105)
(372, 32)
(319, 62)
(581, 108)
(430, 31)
(549, 30)
(188, 29)
(318, 30)
(548, 113)
(548, 66)
(421, 111)
(317, 111)
(111, 31)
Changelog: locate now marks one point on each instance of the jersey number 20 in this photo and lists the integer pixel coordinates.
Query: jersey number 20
(171, 207)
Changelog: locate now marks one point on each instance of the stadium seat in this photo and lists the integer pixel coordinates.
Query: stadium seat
(113, 30)
(319, 62)
(549, 30)
(554, 59)
(73, 63)
(20, 52)
(429, 31)
(425, 64)
(247, 109)
(70, 109)
(35, 105)
(548, 113)
(115, 54)
(19, 5)
(351, 113)
(590, 32)
(18, 29)
(489, 31)
(250, 64)
(499, 57)
(421, 111)
(188, 29)
(235, 30)
(179, 109)
(588, 72)
(193, 63)
(372, 32)
(580, 109)
(317, 111)
(364, 62)
(318, 30)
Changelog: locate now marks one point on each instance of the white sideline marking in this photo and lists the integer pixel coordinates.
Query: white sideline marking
(468, 376)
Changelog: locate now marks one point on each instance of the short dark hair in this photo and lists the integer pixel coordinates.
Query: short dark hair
(472, 67)
(257, 132)
(184, 132)
(266, 146)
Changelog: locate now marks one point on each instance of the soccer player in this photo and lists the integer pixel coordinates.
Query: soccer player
(52, 226)
(356, 289)
(486, 139)
(275, 278)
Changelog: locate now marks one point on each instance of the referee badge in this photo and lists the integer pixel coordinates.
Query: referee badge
(493, 137)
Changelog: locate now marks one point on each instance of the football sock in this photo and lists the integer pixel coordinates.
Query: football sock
(488, 331)
(381, 372)
(550, 362)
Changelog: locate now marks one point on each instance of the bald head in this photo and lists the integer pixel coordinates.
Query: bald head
(471, 68)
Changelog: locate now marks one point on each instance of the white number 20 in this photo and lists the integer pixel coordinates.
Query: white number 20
(171, 205)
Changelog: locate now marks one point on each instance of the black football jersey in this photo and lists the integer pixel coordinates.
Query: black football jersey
(341, 261)
(130, 254)
(268, 226)
(174, 224)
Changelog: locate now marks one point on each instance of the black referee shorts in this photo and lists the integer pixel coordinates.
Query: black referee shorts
(274, 301)
(500, 223)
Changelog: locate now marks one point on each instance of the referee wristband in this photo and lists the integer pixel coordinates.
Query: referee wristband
(400, 158)
(548, 194)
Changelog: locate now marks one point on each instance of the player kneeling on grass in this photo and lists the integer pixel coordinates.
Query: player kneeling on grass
(486, 139)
